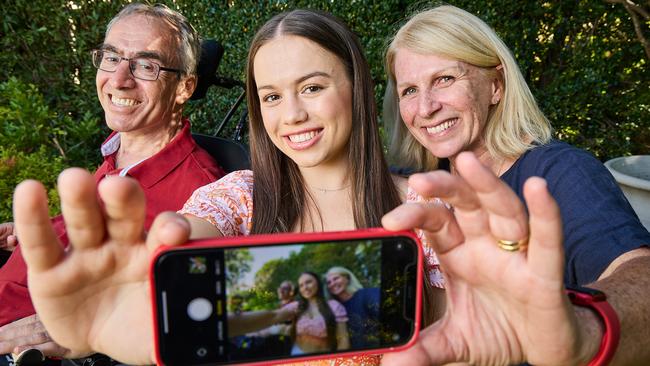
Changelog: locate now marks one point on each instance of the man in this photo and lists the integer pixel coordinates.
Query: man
(146, 73)
(286, 292)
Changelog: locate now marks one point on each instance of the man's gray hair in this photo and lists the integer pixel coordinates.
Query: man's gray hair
(189, 42)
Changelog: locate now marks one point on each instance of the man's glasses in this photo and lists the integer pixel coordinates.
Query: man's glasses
(141, 68)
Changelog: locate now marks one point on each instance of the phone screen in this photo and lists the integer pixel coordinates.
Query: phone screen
(282, 301)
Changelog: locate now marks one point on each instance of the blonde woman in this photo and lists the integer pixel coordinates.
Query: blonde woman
(464, 106)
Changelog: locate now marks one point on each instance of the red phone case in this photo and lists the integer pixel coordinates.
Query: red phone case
(303, 238)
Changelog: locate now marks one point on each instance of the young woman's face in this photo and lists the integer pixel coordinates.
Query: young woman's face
(305, 99)
(308, 286)
(337, 284)
(444, 103)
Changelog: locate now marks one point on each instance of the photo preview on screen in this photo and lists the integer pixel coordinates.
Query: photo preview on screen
(292, 300)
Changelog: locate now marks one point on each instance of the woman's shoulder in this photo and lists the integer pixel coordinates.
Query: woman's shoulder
(240, 180)
(369, 291)
(552, 160)
(226, 203)
(557, 151)
(238, 177)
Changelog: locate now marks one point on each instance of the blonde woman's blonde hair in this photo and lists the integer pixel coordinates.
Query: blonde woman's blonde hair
(514, 125)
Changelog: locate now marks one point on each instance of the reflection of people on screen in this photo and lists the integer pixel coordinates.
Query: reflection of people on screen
(361, 305)
(286, 292)
(319, 325)
(276, 339)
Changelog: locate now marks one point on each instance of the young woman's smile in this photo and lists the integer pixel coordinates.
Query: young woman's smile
(306, 100)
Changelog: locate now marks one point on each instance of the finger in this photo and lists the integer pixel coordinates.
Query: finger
(431, 348)
(12, 241)
(506, 213)
(445, 186)
(471, 217)
(124, 204)
(545, 252)
(169, 228)
(434, 218)
(40, 246)
(80, 207)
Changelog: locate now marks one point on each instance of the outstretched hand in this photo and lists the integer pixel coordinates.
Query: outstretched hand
(94, 296)
(502, 307)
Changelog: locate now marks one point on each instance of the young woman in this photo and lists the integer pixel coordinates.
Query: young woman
(316, 155)
(319, 325)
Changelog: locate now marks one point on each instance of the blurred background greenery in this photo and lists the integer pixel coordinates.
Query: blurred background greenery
(363, 259)
(585, 60)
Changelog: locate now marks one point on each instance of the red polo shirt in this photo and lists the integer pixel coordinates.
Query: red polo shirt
(168, 178)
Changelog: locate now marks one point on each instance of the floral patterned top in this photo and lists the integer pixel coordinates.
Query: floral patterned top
(316, 326)
(431, 263)
(228, 205)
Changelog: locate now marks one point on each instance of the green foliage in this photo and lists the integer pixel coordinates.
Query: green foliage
(35, 141)
(16, 166)
(585, 66)
(362, 259)
(581, 59)
(238, 262)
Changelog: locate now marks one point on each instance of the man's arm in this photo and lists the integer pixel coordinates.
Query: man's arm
(251, 321)
(28, 333)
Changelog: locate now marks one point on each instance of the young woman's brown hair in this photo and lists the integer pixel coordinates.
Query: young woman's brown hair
(280, 197)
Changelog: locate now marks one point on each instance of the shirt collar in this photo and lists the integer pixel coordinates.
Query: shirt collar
(158, 166)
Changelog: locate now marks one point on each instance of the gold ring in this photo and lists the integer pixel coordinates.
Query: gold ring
(513, 245)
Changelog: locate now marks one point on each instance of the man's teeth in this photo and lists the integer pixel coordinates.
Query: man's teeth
(124, 101)
(441, 127)
(302, 137)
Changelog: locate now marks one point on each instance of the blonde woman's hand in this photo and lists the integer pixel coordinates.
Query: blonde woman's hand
(503, 307)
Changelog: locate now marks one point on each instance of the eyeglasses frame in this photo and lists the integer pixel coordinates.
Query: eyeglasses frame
(122, 58)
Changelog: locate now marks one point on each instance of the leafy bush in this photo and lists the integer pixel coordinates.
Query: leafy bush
(581, 58)
(16, 166)
(36, 142)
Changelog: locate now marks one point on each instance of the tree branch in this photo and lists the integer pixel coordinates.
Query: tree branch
(635, 10)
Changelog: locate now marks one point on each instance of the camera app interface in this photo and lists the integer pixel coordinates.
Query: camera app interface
(280, 301)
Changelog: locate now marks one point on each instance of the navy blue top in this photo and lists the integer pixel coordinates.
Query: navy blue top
(598, 222)
(363, 317)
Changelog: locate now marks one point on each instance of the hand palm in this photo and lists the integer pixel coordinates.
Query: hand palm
(95, 296)
(103, 281)
(502, 307)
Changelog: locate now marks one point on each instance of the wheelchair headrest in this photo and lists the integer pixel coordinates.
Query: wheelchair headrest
(211, 54)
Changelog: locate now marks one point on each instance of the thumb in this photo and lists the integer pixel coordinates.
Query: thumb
(433, 347)
(169, 228)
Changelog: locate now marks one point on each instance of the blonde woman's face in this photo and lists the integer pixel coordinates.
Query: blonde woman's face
(444, 103)
(337, 283)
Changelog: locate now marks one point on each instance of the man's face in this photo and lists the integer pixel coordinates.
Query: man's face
(142, 106)
(285, 291)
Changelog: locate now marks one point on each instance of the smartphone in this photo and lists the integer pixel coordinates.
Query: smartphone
(286, 297)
